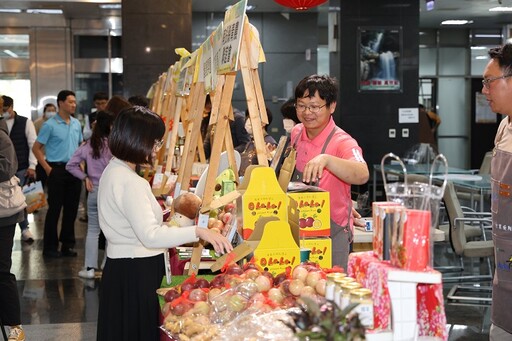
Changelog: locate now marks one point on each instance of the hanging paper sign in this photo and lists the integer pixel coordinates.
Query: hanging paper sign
(256, 50)
(216, 41)
(183, 84)
(193, 65)
(206, 65)
(232, 37)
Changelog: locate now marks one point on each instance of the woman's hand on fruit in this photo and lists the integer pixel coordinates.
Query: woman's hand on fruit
(220, 243)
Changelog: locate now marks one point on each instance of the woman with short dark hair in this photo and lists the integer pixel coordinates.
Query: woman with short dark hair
(131, 219)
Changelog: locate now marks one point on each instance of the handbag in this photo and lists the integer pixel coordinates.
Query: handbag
(247, 157)
(12, 199)
(288, 167)
(34, 194)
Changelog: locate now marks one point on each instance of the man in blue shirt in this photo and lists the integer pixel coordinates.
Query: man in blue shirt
(58, 139)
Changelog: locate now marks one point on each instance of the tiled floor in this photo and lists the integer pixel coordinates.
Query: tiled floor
(58, 305)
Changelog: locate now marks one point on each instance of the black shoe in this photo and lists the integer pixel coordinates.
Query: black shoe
(68, 253)
(51, 254)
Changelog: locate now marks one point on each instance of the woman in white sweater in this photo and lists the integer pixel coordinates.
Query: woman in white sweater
(131, 219)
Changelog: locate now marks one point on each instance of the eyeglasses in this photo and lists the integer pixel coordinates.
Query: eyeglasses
(158, 144)
(312, 108)
(487, 81)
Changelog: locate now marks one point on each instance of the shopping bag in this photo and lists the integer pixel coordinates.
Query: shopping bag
(286, 172)
(34, 196)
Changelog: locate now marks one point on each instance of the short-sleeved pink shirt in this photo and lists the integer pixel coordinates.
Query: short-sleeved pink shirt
(341, 145)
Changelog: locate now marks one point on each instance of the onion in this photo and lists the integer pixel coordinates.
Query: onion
(275, 295)
(285, 287)
(171, 295)
(307, 291)
(320, 287)
(295, 287)
(187, 287)
(279, 279)
(237, 303)
(252, 273)
(211, 221)
(263, 283)
(181, 308)
(269, 276)
(202, 283)
(233, 281)
(257, 298)
(217, 281)
(201, 308)
(288, 302)
(214, 292)
(234, 269)
(247, 288)
(250, 265)
(197, 295)
(300, 273)
(313, 278)
(166, 309)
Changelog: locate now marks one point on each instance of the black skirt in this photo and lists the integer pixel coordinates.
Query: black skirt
(129, 308)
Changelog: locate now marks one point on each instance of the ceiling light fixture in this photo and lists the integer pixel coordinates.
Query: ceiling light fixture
(500, 9)
(478, 48)
(43, 11)
(110, 6)
(456, 22)
(479, 35)
(10, 53)
(9, 10)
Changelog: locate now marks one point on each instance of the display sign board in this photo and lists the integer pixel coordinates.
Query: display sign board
(232, 37)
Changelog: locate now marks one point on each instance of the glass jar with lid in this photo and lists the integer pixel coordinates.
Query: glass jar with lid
(363, 297)
(346, 288)
(329, 284)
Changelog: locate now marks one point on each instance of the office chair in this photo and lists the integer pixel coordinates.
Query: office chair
(465, 249)
(485, 169)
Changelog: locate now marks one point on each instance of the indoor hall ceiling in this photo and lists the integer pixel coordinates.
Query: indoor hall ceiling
(475, 10)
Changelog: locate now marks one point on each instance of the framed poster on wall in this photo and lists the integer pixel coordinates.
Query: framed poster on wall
(380, 51)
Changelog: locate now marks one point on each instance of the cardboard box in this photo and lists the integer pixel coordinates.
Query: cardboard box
(321, 250)
(309, 208)
(261, 196)
(273, 244)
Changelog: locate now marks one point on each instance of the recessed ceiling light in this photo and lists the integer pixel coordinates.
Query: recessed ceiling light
(110, 6)
(44, 11)
(481, 57)
(456, 22)
(479, 35)
(500, 9)
(8, 10)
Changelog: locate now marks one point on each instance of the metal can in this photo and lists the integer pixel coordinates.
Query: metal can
(329, 284)
(363, 297)
(346, 288)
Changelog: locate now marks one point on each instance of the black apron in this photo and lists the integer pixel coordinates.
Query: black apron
(341, 236)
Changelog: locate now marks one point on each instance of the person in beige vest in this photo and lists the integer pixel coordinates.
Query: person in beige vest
(497, 88)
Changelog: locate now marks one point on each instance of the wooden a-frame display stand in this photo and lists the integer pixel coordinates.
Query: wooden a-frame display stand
(221, 113)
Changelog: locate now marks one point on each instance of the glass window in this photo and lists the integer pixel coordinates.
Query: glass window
(14, 46)
(96, 46)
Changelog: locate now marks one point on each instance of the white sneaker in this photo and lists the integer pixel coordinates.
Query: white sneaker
(27, 236)
(16, 334)
(87, 274)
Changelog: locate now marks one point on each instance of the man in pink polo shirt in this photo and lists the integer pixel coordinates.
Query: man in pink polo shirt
(327, 156)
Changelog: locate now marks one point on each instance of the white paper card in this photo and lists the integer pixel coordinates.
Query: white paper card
(408, 115)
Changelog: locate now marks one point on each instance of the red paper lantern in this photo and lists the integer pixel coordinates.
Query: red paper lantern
(300, 5)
